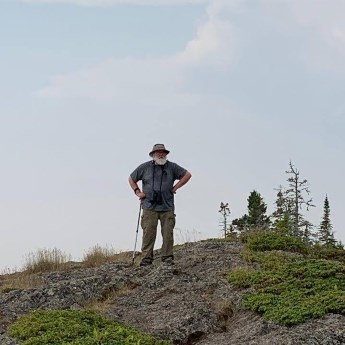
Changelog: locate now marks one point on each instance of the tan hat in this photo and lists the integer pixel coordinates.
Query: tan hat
(158, 147)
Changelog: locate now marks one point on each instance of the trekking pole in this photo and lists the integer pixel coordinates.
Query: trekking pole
(136, 236)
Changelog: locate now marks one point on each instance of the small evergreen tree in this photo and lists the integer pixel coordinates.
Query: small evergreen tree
(231, 232)
(280, 202)
(283, 225)
(306, 232)
(241, 224)
(257, 211)
(282, 214)
(256, 217)
(325, 232)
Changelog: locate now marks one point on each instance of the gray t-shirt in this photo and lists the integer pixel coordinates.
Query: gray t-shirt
(157, 183)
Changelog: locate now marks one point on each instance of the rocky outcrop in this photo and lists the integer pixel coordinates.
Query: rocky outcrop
(189, 303)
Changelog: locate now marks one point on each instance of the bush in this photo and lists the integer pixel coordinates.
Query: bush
(293, 291)
(262, 241)
(324, 252)
(71, 327)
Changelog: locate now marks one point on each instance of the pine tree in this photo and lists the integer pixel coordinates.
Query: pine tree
(325, 232)
(283, 225)
(280, 202)
(296, 196)
(257, 211)
(306, 232)
(256, 217)
(282, 214)
(241, 224)
(231, 232)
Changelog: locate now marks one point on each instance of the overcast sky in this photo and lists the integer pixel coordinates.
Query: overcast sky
(235, 89)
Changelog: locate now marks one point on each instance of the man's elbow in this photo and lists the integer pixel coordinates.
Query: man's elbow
(188, 175)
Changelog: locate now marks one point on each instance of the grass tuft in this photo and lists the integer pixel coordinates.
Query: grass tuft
(98, 255)
(46, 260)
(19, 280)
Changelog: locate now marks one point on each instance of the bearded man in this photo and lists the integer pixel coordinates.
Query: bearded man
(158, 178)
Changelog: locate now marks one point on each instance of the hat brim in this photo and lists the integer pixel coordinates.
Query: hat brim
(152, 152)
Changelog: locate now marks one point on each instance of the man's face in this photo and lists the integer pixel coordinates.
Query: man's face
(160, 157)
(160, 154)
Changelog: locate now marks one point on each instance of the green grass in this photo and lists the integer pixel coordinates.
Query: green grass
(290, 288)
(62, 327)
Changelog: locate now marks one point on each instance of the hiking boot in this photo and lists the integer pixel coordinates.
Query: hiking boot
(169, 261)
(145, 262)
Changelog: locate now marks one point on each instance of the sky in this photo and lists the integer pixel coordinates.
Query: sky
(235, 89)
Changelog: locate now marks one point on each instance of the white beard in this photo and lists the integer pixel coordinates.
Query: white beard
(160, 161)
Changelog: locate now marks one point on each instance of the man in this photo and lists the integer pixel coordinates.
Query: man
(158, 178)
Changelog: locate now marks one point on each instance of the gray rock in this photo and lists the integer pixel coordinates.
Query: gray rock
(5, 340)
(189, 303)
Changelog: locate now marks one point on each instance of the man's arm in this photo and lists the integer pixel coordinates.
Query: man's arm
(184, 179)
(135, 188)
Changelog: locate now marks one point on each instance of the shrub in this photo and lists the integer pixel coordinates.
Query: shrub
(324, 252)
(271, 259)
(293, 291)
(71, 327)
(262, 241)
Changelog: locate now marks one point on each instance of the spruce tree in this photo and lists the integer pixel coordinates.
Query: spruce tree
(241, 224)
(257, 211)
(307, 235)
(325, 232)
(282, 214)
(280, 202)
(256, 217)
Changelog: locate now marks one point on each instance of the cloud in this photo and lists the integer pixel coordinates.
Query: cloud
(318, 26)
(117, 79)
(214, 41)
(152, 79)
(102, 3)
(321, 23)
(327, 20)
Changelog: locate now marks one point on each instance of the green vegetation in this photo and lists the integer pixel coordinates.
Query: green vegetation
(71, 327)
(262, 241)
(287, 218)
(325, 232)
(324, 252)
(297, 197)
(256, 217)
(292, 285)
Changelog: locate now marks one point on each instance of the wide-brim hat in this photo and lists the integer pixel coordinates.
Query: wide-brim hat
(158, 147)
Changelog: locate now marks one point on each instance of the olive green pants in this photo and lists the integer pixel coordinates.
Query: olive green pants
(149, 224)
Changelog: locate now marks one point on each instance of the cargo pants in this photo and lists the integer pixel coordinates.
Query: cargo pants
(149, 224)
